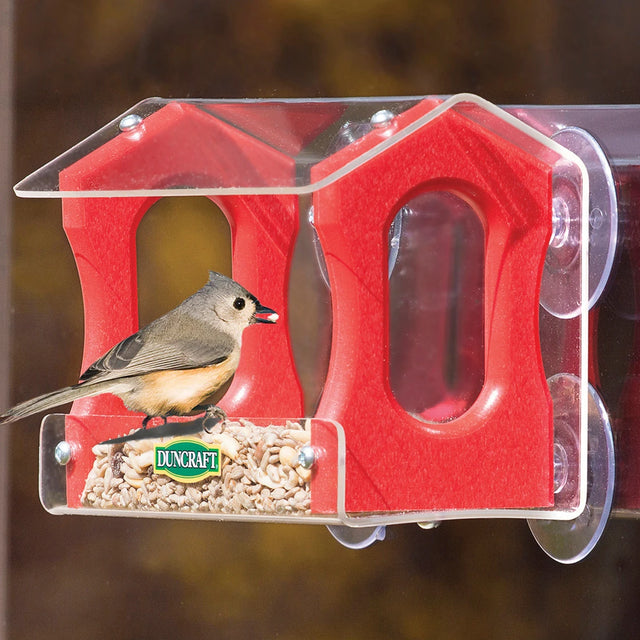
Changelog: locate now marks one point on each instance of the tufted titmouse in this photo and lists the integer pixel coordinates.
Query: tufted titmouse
(173, 364)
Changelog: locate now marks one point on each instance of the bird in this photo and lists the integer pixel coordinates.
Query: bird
(171, 366)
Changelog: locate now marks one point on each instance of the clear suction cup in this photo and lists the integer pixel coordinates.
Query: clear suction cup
(569, 541)
(357, 537)
(561, 281)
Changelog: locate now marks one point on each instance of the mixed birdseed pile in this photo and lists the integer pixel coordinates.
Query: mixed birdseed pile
(260, 474)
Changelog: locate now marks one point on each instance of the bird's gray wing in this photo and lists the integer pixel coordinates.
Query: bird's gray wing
(151, 349)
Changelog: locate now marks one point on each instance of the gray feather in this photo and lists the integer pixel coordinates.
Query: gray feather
(53, 399)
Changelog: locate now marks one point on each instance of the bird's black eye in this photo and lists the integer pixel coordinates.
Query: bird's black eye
(239, 304)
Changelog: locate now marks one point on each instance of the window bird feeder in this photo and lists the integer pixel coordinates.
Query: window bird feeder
(462, 246)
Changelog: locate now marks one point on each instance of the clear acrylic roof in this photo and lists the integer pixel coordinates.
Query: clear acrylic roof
(214, 147)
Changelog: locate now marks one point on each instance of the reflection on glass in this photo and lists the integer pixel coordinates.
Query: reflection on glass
(436, 318)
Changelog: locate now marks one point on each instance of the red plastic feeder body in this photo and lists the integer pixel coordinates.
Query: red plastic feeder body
(497, 454)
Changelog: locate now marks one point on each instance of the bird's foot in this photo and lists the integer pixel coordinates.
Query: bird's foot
(214, 415)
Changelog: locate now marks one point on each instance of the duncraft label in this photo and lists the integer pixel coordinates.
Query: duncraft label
(186, 460)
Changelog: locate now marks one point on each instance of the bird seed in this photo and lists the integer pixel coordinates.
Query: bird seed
(260, 474)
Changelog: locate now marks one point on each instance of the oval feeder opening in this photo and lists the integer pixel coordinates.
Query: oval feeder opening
(436, 297)
(179, 240)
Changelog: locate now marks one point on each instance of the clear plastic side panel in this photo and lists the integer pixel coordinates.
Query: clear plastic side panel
(278, 470)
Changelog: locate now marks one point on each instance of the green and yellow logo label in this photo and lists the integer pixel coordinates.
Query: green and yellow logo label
(186, 460)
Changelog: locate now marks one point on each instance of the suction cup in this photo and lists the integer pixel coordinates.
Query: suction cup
(569, 541)
(357, 537)
(560, 294)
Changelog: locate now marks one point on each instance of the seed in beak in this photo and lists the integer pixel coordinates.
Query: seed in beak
(270, 316)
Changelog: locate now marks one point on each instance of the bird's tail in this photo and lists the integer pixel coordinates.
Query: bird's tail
(53, 399)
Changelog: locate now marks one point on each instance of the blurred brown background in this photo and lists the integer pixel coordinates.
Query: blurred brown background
(77, 65)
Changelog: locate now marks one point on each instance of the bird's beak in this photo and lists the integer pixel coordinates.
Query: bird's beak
(269, 315)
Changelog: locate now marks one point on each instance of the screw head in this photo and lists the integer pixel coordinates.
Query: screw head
(62, 453)
(381, 118)
(129, 122)
(307, 457)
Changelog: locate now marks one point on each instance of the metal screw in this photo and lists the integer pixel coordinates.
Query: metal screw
(63, 452)
(129, 122)
(307, 457)
(381, 118)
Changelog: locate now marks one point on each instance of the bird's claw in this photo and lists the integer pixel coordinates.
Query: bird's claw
(213, 416)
